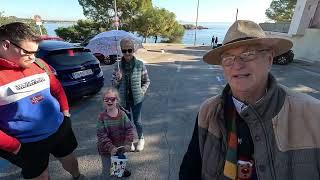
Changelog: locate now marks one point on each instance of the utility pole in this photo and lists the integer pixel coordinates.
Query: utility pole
(237, 15)
(195, 32)
(116, 14)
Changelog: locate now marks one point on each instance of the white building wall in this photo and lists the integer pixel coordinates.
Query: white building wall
(307, 47)
(303, 14)
(315, 22)
(306, 41)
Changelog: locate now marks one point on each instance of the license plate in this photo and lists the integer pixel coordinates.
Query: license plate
(83, 73)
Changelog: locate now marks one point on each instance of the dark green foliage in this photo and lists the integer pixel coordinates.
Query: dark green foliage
(135, 16)
(102, 11)
(281, 10)
(158, 22)
(82, 30)
(30, 22)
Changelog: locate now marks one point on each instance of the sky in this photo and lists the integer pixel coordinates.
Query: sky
(185, 10)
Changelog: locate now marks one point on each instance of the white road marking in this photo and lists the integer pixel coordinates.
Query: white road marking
(179, 68)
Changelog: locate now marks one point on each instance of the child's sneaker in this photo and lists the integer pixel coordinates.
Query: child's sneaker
(132, 147)
(126, 173)
(140, 145)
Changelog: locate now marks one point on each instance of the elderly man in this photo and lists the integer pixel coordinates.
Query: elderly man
(256, 129)
(34, 111)
(132, 80)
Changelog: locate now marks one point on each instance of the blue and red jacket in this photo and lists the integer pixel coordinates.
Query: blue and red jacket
(31, 102)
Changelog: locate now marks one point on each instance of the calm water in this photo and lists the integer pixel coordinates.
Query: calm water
(203, 36)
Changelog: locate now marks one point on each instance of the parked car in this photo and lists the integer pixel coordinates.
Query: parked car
(109, 60)
(284, 59)
(77, 69)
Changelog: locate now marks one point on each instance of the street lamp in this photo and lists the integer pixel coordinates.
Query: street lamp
(195, 32)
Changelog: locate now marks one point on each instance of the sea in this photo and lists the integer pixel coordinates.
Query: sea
(203, 36)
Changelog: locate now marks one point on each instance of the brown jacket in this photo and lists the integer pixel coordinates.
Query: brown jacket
(284, 126)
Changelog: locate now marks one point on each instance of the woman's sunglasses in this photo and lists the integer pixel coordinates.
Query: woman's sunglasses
(126, 50)
(112, 99)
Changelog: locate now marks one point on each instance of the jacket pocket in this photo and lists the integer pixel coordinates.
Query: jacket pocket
(298, 164)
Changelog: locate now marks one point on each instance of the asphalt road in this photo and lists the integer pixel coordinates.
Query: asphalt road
(169, 111)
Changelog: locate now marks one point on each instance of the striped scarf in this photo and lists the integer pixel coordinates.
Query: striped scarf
(230, 165)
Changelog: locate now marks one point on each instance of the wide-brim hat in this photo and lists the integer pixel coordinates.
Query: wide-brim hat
(244, 32)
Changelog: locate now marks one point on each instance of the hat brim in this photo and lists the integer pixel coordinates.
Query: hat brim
(279, 46)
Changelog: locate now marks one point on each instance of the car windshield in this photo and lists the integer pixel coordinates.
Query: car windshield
(69, 57)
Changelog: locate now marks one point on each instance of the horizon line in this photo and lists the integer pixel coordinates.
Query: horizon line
(75, 20)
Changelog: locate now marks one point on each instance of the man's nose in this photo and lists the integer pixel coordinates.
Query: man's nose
(32, 57)
(238, 62)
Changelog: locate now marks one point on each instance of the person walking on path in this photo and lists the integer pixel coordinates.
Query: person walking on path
(34, 112)
(256, 128)
(114, 130)
(212, 42)
(132, 80)
(216, 41)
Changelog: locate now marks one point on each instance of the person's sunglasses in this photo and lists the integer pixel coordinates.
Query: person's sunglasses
(25, 52)
(112, 99)
(126, 50)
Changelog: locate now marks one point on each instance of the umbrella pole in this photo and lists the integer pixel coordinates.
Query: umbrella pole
(117, 55)
(118, 63)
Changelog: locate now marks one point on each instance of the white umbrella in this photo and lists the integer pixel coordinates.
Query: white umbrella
(108, 43)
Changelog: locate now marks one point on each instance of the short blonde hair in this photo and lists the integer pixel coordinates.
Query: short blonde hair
(114, 91)
(126, 43)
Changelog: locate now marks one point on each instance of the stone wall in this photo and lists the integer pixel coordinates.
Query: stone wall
(276, 27)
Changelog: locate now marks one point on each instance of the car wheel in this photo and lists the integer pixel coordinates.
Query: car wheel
(282, 60)
(106, 61)
(113, 61)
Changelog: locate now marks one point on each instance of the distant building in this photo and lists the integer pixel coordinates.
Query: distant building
(304, 30)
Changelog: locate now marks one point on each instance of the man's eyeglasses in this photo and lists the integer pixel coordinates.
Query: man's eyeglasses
(112, 99)
(24, 51)
(247, 56)
(126, 50)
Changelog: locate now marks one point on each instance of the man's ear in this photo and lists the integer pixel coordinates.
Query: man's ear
(5, 44)
(271, 56)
